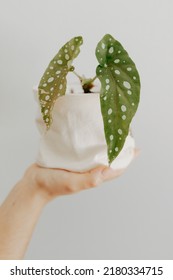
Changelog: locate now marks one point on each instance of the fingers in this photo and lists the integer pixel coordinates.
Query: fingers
(61, 182)
(86, 180)
(109, 173)
(98, 175)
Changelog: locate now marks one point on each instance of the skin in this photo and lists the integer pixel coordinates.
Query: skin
(21, 209)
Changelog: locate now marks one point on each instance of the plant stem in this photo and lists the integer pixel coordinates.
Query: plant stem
(80, 78)
(93, 79)
(87, 84)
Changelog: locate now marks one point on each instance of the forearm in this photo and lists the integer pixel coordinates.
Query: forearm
(18, 215)
(20, 211)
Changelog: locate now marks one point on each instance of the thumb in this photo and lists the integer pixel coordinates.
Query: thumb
(96, 174)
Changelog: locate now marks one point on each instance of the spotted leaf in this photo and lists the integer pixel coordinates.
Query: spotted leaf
(120, 92)
(53, 82)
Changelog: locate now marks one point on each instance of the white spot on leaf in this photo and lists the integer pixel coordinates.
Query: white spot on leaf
(116, 61)
(110, 111)
(103, 46)
(123, 117)
(111, 50)
(123, 108)
(117, 72)
(129, 92)
(126, 84)
(59, 61)
(67, 57)
(129, 69)
(107, 87)
(50, 79)
(111, 137)
(120, 131)
(47, 97)
(58, 72)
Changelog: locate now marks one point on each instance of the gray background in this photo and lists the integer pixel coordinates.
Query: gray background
(128, 218)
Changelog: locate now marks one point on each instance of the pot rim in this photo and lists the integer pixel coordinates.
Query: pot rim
(79, 93)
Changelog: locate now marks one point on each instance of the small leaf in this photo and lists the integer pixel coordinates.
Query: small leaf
(120, 92)
(53, 82)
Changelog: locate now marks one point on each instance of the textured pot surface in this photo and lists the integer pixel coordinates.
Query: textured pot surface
(75, 140)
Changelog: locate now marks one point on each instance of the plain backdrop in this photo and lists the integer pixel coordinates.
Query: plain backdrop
(128, 218)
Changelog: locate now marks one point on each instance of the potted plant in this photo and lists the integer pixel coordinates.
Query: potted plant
(81, 131)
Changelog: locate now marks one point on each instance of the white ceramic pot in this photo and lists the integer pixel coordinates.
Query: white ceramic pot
(76, 141)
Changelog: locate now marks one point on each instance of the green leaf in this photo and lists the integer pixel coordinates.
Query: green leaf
(120, 92)
(53, 82)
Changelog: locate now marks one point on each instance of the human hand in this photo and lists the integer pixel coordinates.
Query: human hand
(21, 209)
(56, 182)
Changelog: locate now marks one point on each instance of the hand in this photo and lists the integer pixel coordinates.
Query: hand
(21, 209)
(57, 182)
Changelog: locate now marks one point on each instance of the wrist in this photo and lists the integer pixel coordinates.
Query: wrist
(31, 181)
